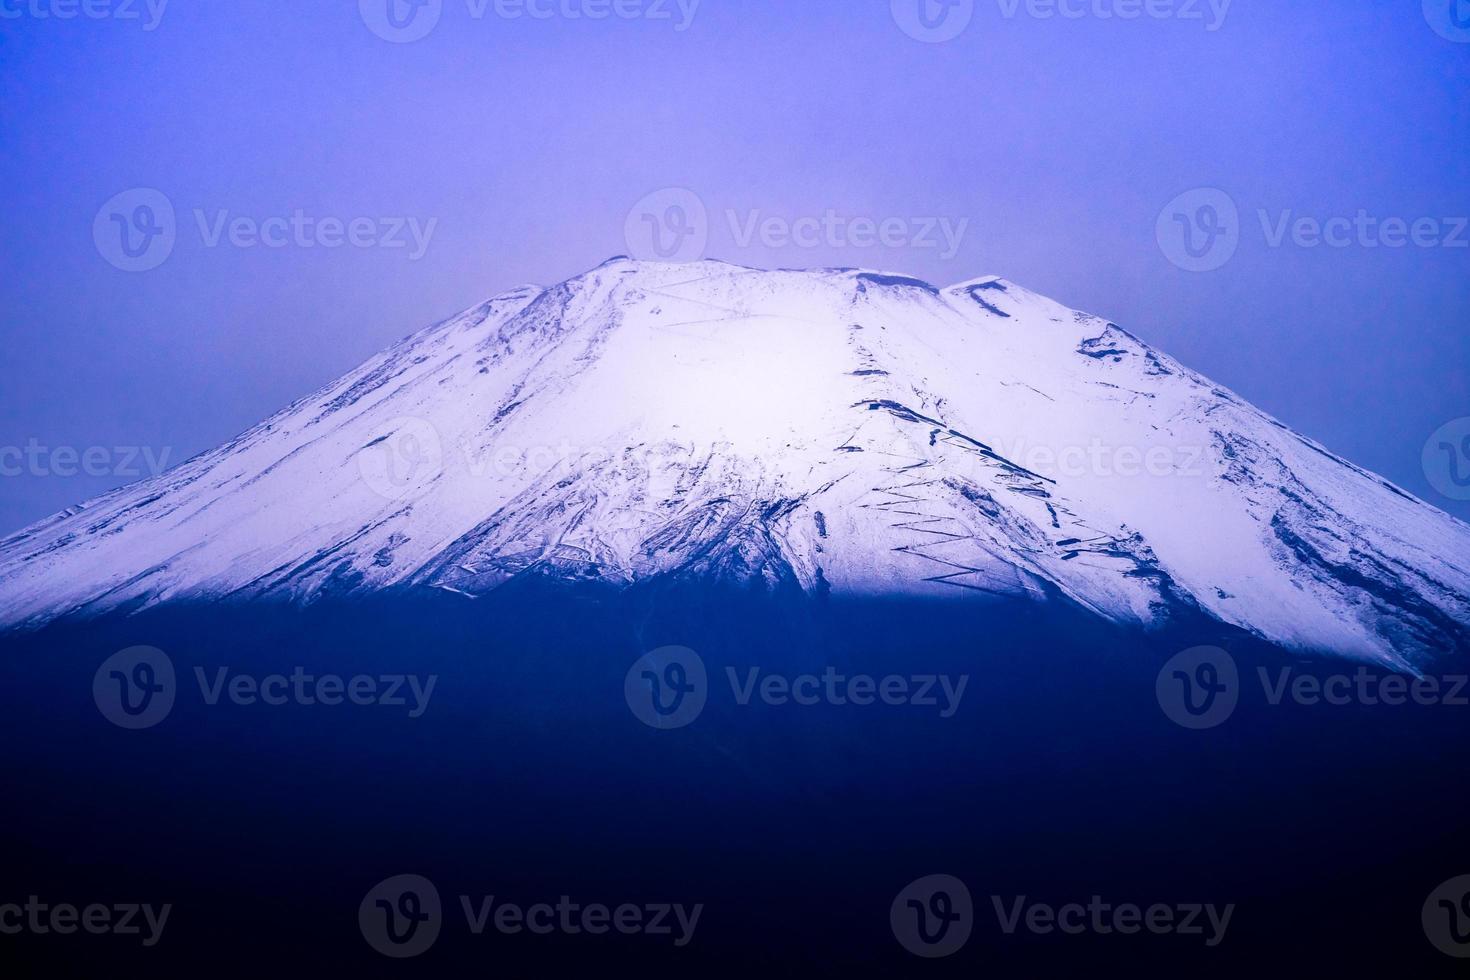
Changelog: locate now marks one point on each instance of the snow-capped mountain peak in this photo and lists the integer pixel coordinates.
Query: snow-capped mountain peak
(827, 432)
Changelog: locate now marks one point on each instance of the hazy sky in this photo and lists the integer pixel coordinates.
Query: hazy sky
(516, 147)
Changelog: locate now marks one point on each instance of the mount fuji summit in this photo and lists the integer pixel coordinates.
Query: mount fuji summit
(822, 433)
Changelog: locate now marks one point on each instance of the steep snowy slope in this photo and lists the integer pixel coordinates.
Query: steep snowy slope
(831, 431)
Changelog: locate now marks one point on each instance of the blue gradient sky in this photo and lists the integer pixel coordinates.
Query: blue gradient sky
(529, 141)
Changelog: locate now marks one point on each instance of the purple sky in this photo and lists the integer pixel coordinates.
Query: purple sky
(526, 141)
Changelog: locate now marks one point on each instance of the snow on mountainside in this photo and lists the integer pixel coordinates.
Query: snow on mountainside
(832, 431)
